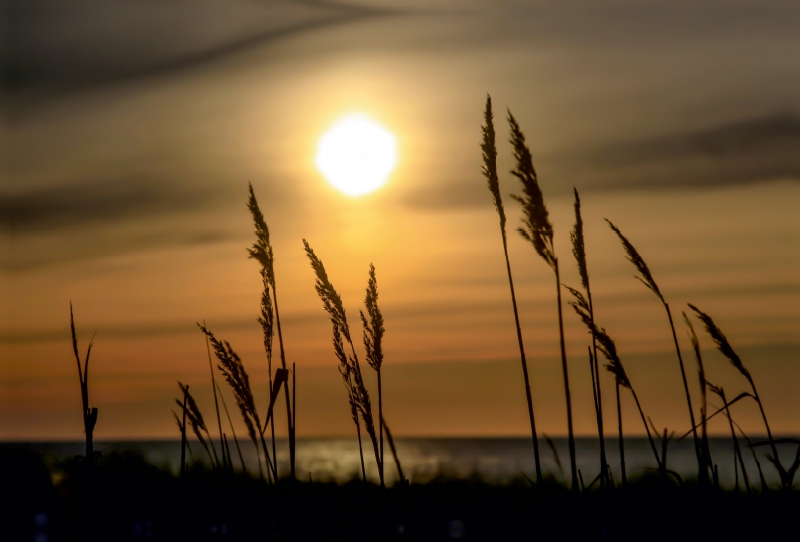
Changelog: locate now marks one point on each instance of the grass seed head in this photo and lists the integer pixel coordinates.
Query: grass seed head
(634, 257)
(721, 341)
(537, 227)
(489, 149)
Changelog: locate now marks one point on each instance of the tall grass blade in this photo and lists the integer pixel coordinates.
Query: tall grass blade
(489, 148)
(263, 253)
(727, 350)
(373, 344)
(646, 278)
(349, 367)
(538, 230)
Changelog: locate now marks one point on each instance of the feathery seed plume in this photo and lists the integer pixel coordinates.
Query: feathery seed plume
(638, 262)
(537, 227)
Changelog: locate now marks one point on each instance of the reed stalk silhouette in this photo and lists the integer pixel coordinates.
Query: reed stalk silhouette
(701, 375)
(214, 388)
(737, 452)
(538, 230)
(233, 431)
(646, 278)
(373, 345)
(182, 426)
(579, 251)
(89, 413)
(607, 346)
(195, 419)
(403, 479)
(349, 367)
(263, 253)
(726, 349)
(232, 369)
(623, 474)
(489, 149)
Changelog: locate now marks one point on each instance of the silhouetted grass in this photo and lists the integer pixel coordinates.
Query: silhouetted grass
(262, 252)
(349, 366)
(539, 232)
(646, 278)
(489, 149)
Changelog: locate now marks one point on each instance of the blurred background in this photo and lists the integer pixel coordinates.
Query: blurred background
(131, 129)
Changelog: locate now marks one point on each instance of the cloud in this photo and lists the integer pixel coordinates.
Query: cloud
(108, 200)
(763, 149)
(745, 151)
(88, 43)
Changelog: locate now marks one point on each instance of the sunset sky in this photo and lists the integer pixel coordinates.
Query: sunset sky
(132, 130)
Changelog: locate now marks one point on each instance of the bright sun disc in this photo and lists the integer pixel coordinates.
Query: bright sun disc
(357, 154)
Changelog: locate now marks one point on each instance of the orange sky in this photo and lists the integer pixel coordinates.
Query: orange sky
(127, 189)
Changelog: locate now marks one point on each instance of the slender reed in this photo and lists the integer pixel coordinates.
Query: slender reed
(554, 451)
(727, 350)
(737, 452)
(373, 344)
(701, 375)
(539, 231)
(231, 367)
(609, 349)
(192, 411)
(394, 452)
(489, 149)
(621, 439)
(579, 251)
(646, 278)
(89, 414)
(262, 252)
(182, 426)
(233, 431)
(214, 388)
(349, 367)
(267, 322)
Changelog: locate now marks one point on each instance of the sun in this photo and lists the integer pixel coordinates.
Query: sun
(357, 154)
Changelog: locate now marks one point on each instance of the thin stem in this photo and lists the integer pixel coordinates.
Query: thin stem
(183, 433)
(566, 384)
(380, 417)
(621, 440)
(769, 434)
(361, 452)
(647, 428)
(700, 464)
(600, 430)
(524, 362)
(213, 385)
(286, 389)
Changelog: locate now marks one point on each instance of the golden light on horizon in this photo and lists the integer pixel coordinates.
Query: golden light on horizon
(357, 155)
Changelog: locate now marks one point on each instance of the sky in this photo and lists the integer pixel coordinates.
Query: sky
(131, 130)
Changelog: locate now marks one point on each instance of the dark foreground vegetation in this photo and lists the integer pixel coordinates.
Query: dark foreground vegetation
(129, 499)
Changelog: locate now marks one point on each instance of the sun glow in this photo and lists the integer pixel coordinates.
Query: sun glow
(357, 154)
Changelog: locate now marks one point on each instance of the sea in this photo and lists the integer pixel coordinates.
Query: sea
(495, 460)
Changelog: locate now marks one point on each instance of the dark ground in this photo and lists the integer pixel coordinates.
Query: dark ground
(128, 499)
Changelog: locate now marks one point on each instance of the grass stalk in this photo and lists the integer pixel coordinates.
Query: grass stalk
(403, 479)
(489, 148)
(727, 350)
(233, 431)
(349, 367)
(579, 251)
(538, 230)
(646, 278)
(373, 345)
(89, 413)
(263, 253)
(737, 452)
(214, 388)
(621, 440)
